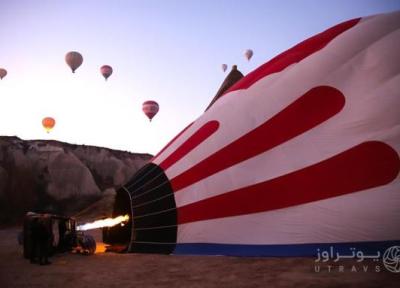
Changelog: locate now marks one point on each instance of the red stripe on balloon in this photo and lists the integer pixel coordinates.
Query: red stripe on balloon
(368, 165)
(151, 102)
(170, 142)
(293, 55)
(192, 142)
(308, 111)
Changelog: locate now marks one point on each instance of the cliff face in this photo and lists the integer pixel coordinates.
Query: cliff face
(57, 177)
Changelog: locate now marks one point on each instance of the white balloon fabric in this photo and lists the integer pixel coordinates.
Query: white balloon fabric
(301, 154)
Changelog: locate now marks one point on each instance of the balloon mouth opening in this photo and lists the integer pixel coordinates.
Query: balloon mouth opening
(149, 201)
(119, 236)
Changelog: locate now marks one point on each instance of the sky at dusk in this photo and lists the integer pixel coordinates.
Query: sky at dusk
(167, 51)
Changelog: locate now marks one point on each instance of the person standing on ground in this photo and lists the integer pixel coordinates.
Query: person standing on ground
(34, 240)
(44, 240)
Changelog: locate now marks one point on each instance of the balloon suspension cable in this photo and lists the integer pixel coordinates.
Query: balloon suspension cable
(143, 176)
(146, 183)
(149, 190)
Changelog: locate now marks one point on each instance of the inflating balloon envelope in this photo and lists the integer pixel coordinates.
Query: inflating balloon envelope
(299, 155)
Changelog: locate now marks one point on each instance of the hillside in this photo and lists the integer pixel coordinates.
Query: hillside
(57, 177)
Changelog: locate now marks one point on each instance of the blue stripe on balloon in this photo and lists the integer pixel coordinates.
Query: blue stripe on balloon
(286, 250)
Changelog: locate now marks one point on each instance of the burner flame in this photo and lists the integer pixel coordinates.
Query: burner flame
(108, 222)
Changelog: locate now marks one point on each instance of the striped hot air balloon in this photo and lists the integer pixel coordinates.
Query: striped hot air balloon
(150, 108)
(301, 154)
(106, 71)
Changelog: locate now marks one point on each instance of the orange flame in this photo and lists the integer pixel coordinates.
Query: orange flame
(109, 222)
(101, 247)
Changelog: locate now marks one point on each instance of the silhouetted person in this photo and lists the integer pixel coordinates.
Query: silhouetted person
(34, 240)
(62, 242)
(44, 240)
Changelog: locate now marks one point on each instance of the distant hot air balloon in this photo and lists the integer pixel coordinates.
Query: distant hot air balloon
(224, 67)
(48, 123)
(74, 60)
(3, 73)
(150, 108)
(248, 54)
(106, 71)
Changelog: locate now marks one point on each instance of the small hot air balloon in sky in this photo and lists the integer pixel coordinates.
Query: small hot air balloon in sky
(3, 73)
(150, 108)
(48, 123)
(224, 67)
(248, 54)
(106, 71)
(74, 60)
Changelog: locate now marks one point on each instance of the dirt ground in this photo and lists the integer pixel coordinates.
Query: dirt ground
(142, 270)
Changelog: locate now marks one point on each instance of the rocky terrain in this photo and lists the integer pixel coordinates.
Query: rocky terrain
(56, 177)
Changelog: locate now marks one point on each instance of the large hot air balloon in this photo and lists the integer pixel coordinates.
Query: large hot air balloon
(224, 67)
(74, 60)
(106, 71)
(150, 108)
(48, 123)
(300, 157)
(248, 54)
(3, 73)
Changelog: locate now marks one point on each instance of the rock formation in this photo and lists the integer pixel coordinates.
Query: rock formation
(57, 177)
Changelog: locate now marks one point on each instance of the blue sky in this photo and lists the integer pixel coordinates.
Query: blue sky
(168, 51)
